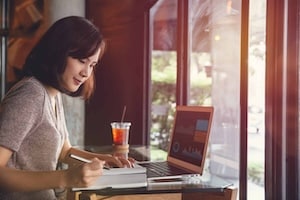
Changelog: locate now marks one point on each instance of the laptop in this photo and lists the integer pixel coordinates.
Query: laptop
(188, 144)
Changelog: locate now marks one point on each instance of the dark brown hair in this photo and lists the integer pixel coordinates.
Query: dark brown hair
(72, 36)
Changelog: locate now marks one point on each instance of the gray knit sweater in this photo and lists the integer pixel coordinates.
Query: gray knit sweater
(30, 128)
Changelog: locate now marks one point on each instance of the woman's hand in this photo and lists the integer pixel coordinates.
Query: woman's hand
(116, 161)
(85, 174)
(110, 160)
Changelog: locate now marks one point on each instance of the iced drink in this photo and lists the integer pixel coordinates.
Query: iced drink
(120, 133)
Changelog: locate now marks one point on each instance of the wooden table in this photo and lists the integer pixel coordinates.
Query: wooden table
(229, 193)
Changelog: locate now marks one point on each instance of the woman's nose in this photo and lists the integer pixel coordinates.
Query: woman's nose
(86, 71)
(83, 74)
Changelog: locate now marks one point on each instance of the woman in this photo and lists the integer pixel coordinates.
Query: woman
(33, 134)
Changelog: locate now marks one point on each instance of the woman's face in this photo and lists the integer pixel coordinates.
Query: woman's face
(78, 71)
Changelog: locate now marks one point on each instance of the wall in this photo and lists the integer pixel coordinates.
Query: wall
(120, 78)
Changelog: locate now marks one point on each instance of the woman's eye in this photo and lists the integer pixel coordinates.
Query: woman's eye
(82, 61)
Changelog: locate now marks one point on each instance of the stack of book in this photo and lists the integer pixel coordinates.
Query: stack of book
(117, 178)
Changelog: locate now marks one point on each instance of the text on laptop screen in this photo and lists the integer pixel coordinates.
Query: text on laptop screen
(190, 135)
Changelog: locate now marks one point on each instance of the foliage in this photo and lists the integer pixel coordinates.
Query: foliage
(163, 91)
(256, 172)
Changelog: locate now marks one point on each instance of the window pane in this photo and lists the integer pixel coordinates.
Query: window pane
(215, 78)
(256, 99)
(163, 85)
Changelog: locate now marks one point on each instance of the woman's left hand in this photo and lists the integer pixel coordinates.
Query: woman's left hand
(117, 161)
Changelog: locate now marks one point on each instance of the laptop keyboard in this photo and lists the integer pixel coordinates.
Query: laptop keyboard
(157, 169)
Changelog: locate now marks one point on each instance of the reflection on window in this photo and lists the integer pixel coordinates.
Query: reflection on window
(215, 56)
(214, 74)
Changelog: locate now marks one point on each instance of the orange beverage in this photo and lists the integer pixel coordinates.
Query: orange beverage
(119, 136)
(120, 133)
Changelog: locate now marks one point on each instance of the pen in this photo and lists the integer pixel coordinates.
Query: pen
(84, 160)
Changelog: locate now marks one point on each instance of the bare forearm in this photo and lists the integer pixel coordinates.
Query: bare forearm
(108, 158)
(17, 180)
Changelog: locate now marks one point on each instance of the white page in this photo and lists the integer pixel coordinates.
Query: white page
(134, 170)
(118, 181)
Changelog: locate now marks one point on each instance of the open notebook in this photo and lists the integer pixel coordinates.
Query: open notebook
(188, 144)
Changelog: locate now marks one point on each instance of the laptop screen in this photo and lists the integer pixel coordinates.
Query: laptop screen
(190, 134)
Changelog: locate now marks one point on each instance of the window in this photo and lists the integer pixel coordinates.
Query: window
(196, 61)
(163, 73)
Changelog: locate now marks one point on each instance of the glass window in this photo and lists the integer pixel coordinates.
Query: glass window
(214, 79)
(256, 99)
(163, 86)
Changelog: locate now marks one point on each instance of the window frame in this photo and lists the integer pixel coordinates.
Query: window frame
(282, 95)
(244, 100)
